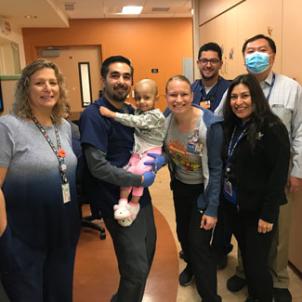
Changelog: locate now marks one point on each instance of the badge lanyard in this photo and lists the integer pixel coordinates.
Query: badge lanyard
(271, 87)
(228, 190)
(233, 144)
(59, 152)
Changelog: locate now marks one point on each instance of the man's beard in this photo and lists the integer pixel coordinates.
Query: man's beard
(120, 97)
(117, 96)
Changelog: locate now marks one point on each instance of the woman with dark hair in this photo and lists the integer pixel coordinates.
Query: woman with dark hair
(39, 217)
(256, 160)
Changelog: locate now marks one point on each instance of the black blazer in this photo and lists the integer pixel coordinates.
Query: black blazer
(260, 176)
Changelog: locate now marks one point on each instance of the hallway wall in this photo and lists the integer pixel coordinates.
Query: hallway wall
(149, 43)
(231, 25)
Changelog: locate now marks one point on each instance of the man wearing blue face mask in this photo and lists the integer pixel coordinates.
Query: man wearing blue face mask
(285, 98)
(257, 62)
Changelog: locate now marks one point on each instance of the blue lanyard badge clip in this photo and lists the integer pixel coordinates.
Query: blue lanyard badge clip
(229, 190)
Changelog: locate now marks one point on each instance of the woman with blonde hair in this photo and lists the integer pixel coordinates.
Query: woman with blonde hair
(39, 220)
(193, 151)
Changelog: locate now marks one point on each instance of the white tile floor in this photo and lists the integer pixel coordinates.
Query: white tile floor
(162, 200)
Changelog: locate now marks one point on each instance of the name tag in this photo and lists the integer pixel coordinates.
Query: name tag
(229, 192)
(205, 104)
(66, 193)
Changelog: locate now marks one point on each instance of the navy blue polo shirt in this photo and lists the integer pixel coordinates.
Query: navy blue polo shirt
(213, 97)
(116, 141)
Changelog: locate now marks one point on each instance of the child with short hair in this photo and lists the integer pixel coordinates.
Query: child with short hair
(149, 124)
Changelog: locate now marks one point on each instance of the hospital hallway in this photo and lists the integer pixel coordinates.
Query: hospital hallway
(96, 276)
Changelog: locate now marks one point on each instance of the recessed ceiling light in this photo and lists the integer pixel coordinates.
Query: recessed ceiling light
(132, 10)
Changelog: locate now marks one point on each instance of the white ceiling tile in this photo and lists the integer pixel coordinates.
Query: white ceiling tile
(57, 16)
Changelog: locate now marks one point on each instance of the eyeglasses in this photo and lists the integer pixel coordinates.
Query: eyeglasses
(211, 61)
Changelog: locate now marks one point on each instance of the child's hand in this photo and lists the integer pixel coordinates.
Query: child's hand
(106, 112)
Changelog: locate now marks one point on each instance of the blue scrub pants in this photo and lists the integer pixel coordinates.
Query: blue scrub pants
(35, 275)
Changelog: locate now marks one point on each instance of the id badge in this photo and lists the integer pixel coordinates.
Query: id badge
(191, 148)
(66, 193)
(194, 148)
(205, 104)
(229, 192)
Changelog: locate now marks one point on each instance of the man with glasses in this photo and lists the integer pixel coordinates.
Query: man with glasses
(208, 91)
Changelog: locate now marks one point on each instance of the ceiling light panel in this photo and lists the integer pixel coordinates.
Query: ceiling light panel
(132, 10)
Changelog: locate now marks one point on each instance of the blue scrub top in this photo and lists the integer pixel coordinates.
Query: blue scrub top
(116, 141)
(213, 97)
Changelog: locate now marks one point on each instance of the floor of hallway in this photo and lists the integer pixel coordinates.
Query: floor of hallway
(96, 276)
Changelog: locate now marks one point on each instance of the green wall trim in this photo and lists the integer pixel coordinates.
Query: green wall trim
(10, 77)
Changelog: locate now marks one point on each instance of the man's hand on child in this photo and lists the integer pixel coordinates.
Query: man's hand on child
(106, 112)
(157, 163)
